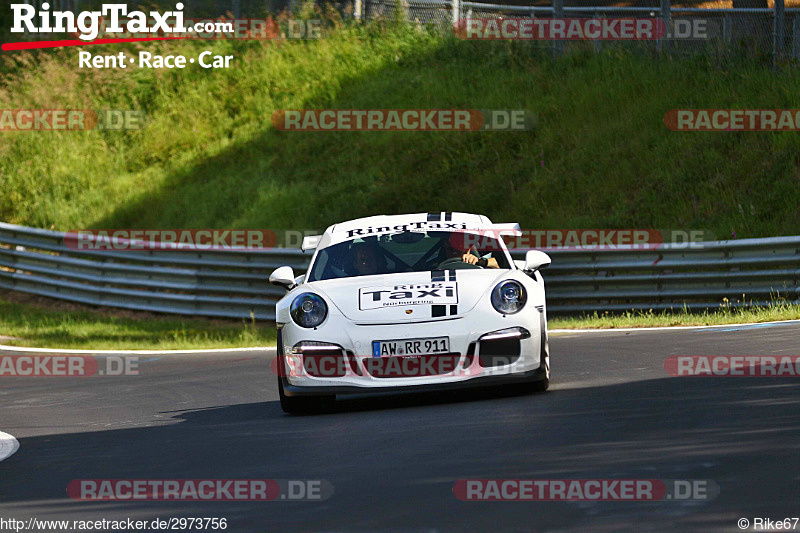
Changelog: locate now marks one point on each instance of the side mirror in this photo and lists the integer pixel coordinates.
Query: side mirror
(283, 277)
(536, 260)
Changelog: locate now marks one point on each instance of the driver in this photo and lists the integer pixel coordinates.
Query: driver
(365, 259)
(469, 256)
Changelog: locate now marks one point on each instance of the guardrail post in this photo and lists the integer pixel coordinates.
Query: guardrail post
(779, 32)
(598, 44)
(456, 11)
(358, 10)
(727, 28)
(666, 16)
(558, 13)
(795, 37)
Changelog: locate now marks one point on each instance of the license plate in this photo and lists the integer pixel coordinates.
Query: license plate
(423, 346)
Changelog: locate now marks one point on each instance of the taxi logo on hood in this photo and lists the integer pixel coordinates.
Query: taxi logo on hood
(435, 293)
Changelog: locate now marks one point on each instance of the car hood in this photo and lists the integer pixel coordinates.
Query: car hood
(408, 297)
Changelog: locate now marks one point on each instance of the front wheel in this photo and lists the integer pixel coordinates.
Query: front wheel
(539, 386)
(304, 405)
(543, 384)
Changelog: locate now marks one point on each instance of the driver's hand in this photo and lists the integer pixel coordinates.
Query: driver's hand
(469, 258)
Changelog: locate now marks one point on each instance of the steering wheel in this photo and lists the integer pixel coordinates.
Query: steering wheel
(454, 262)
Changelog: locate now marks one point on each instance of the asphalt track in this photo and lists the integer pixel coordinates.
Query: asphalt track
(612, 412)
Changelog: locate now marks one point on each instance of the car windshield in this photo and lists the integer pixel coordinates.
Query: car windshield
(406, 251)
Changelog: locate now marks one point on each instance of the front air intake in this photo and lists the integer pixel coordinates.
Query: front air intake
(501, 348)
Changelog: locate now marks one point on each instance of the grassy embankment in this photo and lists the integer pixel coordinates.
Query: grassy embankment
(209, 157)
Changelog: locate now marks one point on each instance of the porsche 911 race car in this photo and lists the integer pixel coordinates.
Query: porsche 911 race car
(421, 301)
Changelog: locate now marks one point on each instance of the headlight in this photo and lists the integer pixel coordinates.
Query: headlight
(308, 310)
(508, 297)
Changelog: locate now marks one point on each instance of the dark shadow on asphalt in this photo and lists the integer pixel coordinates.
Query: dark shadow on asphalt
(379, 401)
(393, 459)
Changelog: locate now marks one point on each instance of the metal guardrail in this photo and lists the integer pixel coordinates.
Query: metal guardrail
(233, 284)
(213, 283)
(747, 272)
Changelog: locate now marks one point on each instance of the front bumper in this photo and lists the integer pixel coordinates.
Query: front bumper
(440, 385)
(471, 369)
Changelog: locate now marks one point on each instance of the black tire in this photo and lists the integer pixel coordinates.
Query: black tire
(304, 405)
(540, 385)
(543, 384)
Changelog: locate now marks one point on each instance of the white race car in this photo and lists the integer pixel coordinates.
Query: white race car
(422, 301)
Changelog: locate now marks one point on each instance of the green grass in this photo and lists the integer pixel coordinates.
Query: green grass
(644, 319)
(601, 155)
(34, 326)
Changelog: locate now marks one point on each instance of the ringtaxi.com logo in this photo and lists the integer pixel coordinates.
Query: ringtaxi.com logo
(28, 19)
(403, 120)
(114, 21)
(67, 366)
(199, 489)
(585, 489)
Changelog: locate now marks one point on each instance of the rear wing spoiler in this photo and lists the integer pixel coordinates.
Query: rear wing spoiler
(511, 228)
(310, 242)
